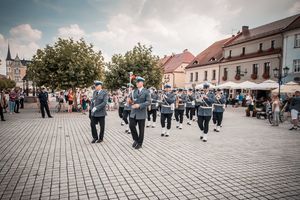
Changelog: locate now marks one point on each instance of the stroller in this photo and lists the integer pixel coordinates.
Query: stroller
(265, 111)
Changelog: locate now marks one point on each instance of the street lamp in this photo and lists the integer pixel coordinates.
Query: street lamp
(278, 74)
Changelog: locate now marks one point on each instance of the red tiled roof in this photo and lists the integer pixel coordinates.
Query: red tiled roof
(265, 30)
(163, 60)
(176, 60)
(214, 51)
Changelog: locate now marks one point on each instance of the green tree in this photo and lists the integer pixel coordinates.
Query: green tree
(141, 61)
(66, 64)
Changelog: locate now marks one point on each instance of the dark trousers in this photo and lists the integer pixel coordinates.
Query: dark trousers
(139, 138)
(163, 118)
(17, 106)
(94, 122)
(121, 109)
(152, 112)
(1, 113)
(22, 103)
(217, 118)
(190, 112)
(179, 115)
(196, 109)
(126, 114)
(44, 106)
(203, 123)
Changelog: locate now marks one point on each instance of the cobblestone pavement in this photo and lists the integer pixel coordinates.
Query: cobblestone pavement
(54, 159)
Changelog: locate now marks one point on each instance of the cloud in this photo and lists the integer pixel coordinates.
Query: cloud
(23, 40)
(72, 31)
(295, 8)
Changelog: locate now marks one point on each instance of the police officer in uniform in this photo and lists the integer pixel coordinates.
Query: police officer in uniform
(121, 101)
(44, 100)
(152, 109)
(140, 100)
(127, 107)
(167, 108)
(98, 111)
(179, 108)
(205, 111)
(218, 109)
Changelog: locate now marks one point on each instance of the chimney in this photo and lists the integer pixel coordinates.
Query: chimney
(245, 30)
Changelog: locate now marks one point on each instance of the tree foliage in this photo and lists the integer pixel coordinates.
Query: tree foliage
(140, 60)
(66, 64)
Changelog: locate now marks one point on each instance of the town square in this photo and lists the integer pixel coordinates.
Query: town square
(140, 99)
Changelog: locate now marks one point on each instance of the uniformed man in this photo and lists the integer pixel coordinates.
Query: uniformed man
(218, 109)
(98, 111)
(179, 108)
(121, 101)
(140, 100)
(44, 100)
(127, 108)
(152, 109)
(205, 111)
(167, 108)
(190, 106)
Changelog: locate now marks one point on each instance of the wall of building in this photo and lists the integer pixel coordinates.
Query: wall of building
(247, 64)
(201, 75)
(290, 53)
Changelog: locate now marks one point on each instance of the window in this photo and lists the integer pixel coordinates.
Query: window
(255, 69)
(296, 64)
(214, 75)
(205, 75)
(195, 62)
(267, 68)
(196, 77)
(272, 44)
(230, 51)
(191, 77)
(225, 72)
(238, 70)
(244, 50)
(297, 41)
(260, 46)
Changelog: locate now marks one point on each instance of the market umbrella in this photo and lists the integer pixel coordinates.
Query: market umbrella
(267, 85)
(227, 85)
(290, 87)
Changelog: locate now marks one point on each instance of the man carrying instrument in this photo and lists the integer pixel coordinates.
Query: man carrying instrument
(167, 108)
(205, 111)
(152, 108)
(127, 108)
(179, 108)
(190, 106)
(139, 101)
(219, 108)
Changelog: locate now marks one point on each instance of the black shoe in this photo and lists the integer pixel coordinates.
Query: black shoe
(50, 117)
(162, 135)
(293, 128)
(134, 144)
(128, 132)
(138, 146)
(201, 137)
(3, 120)
(204, 140)
(94, 140)
(99, 141)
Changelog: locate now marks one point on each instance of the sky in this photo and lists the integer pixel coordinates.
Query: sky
(115, 26)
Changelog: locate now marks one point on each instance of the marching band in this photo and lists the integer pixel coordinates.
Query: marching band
(135, 105)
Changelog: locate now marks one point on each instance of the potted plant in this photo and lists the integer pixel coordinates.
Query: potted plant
(266, 75)
(254, 76)
(224, 78)
(237, 77)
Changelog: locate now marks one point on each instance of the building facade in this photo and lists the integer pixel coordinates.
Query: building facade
(174, 68)
(16, 68)
(291, 52)
(205, 66)
(255, 53)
